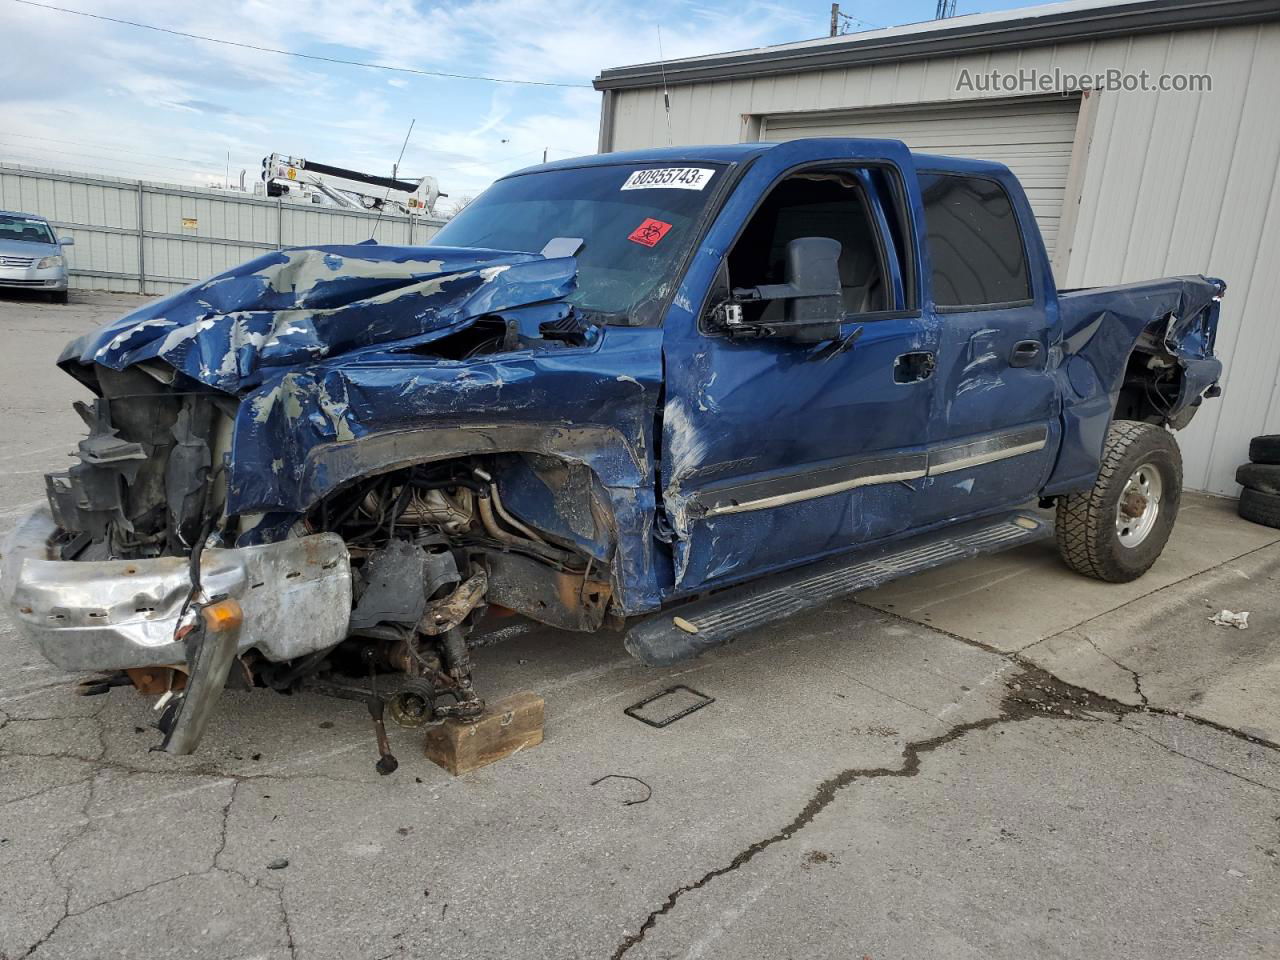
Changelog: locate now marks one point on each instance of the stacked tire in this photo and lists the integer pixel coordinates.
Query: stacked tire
(1260, 499)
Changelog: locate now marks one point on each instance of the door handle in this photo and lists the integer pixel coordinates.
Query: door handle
(1025, 353)
(914, 367)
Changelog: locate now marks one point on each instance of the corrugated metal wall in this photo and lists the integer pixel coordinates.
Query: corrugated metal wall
(186, 233)
(1032, 136)
(1173, 183)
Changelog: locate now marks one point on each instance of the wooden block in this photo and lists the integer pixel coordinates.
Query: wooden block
(505, 726)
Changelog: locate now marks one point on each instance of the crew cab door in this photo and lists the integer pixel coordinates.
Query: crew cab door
(995, 432)
(776, 452)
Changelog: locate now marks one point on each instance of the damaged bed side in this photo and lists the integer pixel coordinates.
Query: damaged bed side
(1139, 351)
(320, 468)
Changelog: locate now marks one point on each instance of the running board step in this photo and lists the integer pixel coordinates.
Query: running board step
(686, 631)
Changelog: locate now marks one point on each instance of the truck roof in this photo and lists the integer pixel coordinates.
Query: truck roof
(738, 152)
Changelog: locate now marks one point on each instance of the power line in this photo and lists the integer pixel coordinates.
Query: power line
(38, 155)
(294, 53)
(101, 145)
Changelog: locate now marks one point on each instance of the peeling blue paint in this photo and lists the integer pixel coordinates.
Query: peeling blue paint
(308, 304)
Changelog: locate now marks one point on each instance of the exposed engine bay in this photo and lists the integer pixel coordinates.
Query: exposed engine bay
(164, 562)
(428, 549)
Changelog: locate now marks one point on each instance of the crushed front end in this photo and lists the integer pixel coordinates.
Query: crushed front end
(294, 476)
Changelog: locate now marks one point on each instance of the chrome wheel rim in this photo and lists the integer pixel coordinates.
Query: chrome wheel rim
(1139, 506)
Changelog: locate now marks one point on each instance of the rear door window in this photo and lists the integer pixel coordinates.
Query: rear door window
(975, 243)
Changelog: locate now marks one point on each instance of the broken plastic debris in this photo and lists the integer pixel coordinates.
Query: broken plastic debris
(1228, 619)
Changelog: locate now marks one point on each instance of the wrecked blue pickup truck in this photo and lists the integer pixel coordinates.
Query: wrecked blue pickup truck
(681, 393)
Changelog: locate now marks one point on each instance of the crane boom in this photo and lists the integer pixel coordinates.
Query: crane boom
(337, 186)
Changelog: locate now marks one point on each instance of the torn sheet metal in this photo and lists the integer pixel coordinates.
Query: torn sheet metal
(331, 352)
(305, 304)
(1174, 320)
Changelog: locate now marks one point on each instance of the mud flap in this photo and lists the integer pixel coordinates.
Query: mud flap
(211, 648)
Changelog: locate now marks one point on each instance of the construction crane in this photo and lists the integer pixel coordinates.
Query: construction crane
(337, 186)
(945, 9)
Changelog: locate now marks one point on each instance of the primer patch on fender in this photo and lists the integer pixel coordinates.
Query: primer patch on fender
(669, 178)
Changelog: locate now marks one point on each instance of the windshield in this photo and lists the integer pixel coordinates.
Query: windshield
(24, 228)
(635, 222)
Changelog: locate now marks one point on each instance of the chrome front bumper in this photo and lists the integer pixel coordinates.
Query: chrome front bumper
(114, 614)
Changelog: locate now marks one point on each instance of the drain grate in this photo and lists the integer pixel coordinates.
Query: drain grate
(666, 707)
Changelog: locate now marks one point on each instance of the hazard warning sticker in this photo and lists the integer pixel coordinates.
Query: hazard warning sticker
(649, 233)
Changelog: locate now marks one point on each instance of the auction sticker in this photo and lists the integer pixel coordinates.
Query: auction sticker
(650, 232)
(669, 178)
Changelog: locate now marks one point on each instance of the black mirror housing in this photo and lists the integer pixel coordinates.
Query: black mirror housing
(814, 303)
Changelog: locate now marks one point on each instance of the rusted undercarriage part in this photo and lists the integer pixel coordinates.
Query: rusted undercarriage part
(431, 546)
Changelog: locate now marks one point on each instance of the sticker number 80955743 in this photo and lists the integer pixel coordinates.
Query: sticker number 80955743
(669, 178)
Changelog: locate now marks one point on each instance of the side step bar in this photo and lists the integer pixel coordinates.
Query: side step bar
(686, 631)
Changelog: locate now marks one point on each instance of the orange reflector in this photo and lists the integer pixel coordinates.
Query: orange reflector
(223, 615)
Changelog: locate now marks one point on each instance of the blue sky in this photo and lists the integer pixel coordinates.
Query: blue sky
(82, 94)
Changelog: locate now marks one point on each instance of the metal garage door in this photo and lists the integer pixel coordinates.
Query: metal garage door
(1032, 137)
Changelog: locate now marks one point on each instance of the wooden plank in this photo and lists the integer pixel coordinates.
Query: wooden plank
(506, 726)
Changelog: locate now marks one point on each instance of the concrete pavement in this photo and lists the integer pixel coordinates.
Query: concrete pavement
(997, 760)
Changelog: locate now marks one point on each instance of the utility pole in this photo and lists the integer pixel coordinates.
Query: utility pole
(835, 19)
(544, 154)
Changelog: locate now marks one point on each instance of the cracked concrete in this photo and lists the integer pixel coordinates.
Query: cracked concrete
(1030, 694)
(911, 779)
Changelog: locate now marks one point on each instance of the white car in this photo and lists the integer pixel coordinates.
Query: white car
(30, 257)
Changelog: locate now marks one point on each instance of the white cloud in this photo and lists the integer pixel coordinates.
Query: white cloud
(129, 99)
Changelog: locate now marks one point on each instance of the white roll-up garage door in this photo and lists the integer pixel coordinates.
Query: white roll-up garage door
(1033, 138)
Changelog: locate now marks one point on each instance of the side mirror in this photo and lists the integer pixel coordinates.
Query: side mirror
(67, 242)
(814, 305)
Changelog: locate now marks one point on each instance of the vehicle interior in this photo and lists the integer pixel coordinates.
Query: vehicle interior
(819, 204)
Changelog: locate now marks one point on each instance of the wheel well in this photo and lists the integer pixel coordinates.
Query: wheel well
(1150, 390)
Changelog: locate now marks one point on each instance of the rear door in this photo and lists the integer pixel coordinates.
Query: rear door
(996, 430)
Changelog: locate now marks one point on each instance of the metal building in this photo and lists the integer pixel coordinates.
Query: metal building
(1128, 184)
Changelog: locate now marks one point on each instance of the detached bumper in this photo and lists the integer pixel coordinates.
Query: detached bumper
(114, 614)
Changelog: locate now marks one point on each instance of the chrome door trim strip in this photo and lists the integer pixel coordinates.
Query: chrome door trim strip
(811, 493)
(988, 449)
(778, 492)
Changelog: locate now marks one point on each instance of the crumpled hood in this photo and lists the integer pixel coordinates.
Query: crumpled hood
(307, 304)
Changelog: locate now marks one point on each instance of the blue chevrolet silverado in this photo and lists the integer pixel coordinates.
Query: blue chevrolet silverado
(679, 393)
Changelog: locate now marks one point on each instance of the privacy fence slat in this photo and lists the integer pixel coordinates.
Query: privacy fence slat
(139, 236)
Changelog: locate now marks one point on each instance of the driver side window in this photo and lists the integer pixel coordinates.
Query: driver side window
(819, 203)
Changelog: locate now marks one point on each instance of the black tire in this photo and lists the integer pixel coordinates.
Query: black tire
(1263, 477)
(1087, 533)
(1265, 449)
(59, 296)
(1258, 507)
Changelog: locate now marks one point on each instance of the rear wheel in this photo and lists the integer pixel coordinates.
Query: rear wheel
(1115, 531)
